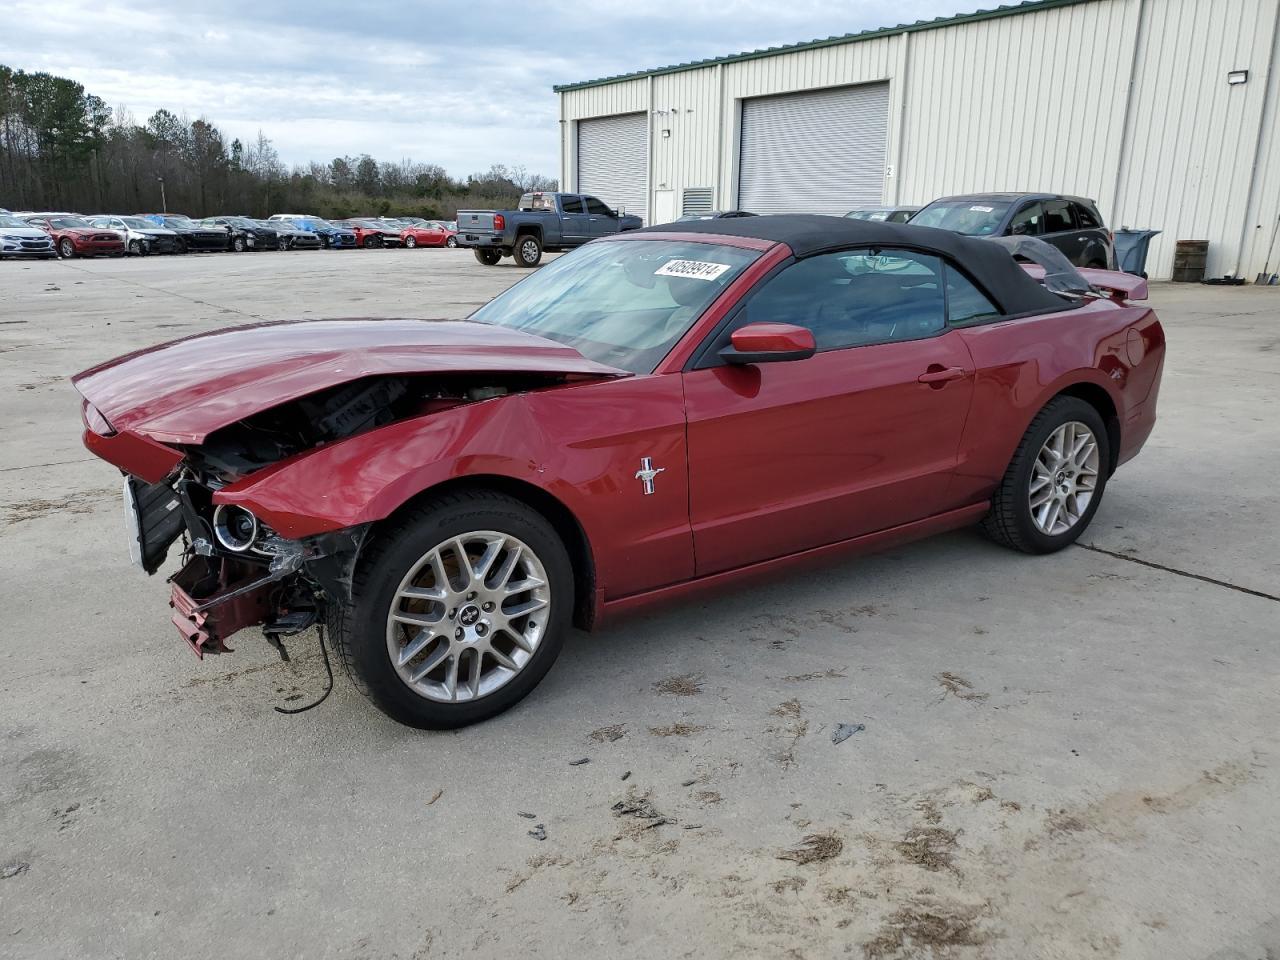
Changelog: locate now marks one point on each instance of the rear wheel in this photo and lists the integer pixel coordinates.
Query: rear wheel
(66, 248)
(528, 251)
(1055, 481)
(459, 612)
(451, 242)
(488, 257)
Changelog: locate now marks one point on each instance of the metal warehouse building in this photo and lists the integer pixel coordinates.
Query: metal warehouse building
(1163, 111)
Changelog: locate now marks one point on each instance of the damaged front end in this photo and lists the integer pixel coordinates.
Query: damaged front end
(236, 572)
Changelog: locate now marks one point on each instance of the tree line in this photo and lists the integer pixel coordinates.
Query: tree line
(64, 149)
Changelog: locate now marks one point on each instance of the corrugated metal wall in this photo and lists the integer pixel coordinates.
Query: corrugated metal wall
(1124, 101)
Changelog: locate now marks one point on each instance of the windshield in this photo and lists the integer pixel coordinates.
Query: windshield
(624, 303)
(70, 222)
(138, 223)
(975, 218)
(177, 221)
(13, 222)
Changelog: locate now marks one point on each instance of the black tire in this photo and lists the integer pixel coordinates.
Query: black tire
(528, 250)
(488, 257)
(371, 243)
(237, 244)
(360, 630)
(284, 243)
(1010, 522)
(66, 248)
(451, 242)
(410, 242)
(136, 248)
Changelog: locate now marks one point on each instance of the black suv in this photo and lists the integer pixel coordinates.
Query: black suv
(1072, 224)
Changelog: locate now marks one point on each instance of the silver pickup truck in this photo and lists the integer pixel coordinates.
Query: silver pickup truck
(544, 221)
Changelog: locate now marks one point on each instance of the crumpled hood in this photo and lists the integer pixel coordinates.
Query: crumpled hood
(180, 392)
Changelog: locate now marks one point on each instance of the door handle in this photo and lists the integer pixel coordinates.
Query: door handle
(938, 375)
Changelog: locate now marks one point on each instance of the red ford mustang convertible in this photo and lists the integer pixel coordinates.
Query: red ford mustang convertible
(653, 414)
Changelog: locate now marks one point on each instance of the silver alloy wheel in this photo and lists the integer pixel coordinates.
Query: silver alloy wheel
(1063, 478)
(468, 616)
(529, 250)
(451, 242)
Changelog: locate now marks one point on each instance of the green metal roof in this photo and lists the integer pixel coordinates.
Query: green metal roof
(1005, 10)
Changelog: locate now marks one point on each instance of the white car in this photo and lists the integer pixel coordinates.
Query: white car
(20, 239)
(141, 236)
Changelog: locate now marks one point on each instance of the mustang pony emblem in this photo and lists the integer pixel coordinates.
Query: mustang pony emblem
(646, 473)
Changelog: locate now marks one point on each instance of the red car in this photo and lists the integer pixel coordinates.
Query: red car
(656, 413)
(435, 234)
(77, 237)
(370, 233)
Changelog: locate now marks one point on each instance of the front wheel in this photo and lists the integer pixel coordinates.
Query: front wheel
(488, 257)
(528, 251)
(66, 249)
(136, 248)
(1053, 485)
(238, 245)
(410, 242)
(458, 612)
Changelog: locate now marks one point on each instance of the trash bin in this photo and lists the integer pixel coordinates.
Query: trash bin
(1189, 259)
(1131, 250)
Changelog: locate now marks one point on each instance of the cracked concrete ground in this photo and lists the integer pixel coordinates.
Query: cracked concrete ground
(1062, 757)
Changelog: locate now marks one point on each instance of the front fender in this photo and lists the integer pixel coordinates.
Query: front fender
(365, 478)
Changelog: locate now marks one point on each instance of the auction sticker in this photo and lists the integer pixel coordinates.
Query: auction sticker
(980, 209)
(692, 269)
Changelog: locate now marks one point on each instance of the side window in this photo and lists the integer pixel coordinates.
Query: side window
(966, 304)
(1087, 217)
(572, 205)
(596, 208)
(1028, 222)
(856, 297)
(1057, 217)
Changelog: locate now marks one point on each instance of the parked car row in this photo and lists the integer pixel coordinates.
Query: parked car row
(50, 234)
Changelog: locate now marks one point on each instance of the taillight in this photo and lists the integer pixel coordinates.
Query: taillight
(499, 222)
(96, 422)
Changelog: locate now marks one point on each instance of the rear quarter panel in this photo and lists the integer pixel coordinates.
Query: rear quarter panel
(1023, 363)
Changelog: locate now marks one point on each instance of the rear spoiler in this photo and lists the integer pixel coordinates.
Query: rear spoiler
(1120, 287)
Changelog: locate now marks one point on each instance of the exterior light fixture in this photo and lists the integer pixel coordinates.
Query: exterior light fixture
(1236, 77)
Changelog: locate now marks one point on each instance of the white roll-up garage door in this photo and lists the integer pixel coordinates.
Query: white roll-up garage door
(821, 151)
(613, 154)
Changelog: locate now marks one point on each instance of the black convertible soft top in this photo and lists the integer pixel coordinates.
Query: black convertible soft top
(990, 264)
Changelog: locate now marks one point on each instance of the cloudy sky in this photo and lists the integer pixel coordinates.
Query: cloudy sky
(464, 85)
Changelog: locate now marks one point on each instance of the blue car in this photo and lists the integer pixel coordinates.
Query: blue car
(334, 238)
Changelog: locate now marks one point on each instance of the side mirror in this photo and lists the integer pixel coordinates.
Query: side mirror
(769, 343)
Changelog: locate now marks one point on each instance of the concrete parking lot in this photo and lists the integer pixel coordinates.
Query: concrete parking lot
(1065, 756)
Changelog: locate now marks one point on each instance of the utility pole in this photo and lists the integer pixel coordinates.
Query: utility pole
(164, 204)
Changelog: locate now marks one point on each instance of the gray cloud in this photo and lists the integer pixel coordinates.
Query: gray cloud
(450, 83)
